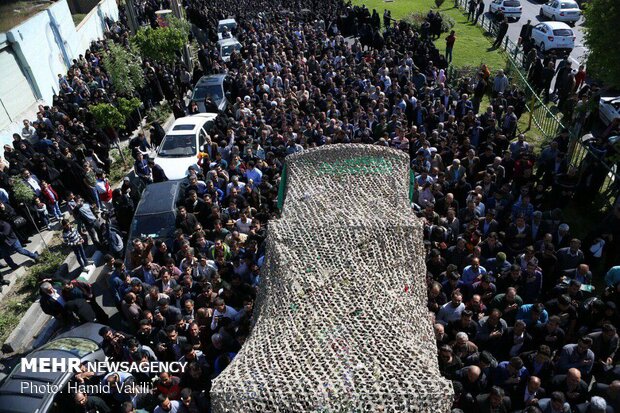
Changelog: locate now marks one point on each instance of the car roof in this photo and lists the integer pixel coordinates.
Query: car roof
(226, 21)
(211, 79)
(227, 42)
(159, 198)
(195, 121)
(88, 330)
(557, 25)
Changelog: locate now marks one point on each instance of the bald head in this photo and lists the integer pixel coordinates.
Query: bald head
(473, 372)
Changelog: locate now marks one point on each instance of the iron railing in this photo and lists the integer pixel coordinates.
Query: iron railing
(598, 173)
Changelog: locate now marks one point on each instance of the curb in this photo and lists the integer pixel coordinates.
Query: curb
(36, 327)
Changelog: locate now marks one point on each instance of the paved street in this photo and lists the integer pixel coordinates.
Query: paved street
(531, 10)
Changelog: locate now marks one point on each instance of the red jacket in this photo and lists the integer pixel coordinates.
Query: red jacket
(49, 196)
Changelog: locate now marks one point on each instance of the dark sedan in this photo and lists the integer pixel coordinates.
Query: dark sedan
(156, 213)
(25, 392)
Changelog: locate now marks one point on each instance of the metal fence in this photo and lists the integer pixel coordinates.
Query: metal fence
(598, 173)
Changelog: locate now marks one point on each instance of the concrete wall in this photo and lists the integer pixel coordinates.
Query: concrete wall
(46, 44)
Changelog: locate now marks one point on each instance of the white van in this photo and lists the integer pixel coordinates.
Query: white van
(226, 47)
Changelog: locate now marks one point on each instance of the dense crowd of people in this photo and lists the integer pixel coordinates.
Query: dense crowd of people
(518, 324)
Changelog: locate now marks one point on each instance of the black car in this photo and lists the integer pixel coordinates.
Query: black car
(21, 392)
(156, 213)
(213, 86)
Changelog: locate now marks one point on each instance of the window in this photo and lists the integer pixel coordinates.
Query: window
(178, 146)
(79, 347)
(569, 6)
(155, 226)
(512, 3)
(214, 91)
(202, 137)
(208, 126)
(183, 127)
(563, 32)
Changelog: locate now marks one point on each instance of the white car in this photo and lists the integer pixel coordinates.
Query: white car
(184, 140)
(226, 25)
(511, 8)
(553, 35)
(561, 10)
(227, 47)
(609, 109)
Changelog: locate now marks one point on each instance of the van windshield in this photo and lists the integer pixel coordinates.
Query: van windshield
(227, 50)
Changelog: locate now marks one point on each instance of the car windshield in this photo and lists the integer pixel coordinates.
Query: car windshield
(154, 226)
(214, 91)
(512, 3)
(77, 346)
(178, 146)
(563, 32)
(569, 6)
(227, 50)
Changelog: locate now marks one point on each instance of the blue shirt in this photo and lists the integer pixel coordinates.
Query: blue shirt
(470, 275)
(613, 276)
(502, 374)
(525, 313)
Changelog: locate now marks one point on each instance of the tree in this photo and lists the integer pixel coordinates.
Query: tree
(601, 18)
(123, 67)
(127, 106)
(22, 192)
(163, 43)
(109, 118)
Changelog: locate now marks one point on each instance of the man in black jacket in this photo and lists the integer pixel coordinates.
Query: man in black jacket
(9, 244)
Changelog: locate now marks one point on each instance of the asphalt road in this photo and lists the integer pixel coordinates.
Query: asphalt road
(531, 9)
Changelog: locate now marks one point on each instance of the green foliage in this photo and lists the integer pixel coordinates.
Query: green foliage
(119, 169)
(416, 19)
(163, 43)
(601, 18)
(26, 290)
(123, 67)
(159, 113)
(107, 116)
(439, 3)
(47, 266)
(22, 192)
(128, 106)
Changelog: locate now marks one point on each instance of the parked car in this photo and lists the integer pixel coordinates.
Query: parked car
(214, 86)
(511, 8)
(561, 10)
(553, 35)
(82, 342)
(609, 109)
(180, 147)
(226, 25)
(156, 213)
(226, 47)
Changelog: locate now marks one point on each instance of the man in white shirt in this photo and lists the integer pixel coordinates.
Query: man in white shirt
(28, 131)
(452, 310)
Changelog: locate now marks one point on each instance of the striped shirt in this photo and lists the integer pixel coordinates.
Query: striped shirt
(71, 237)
